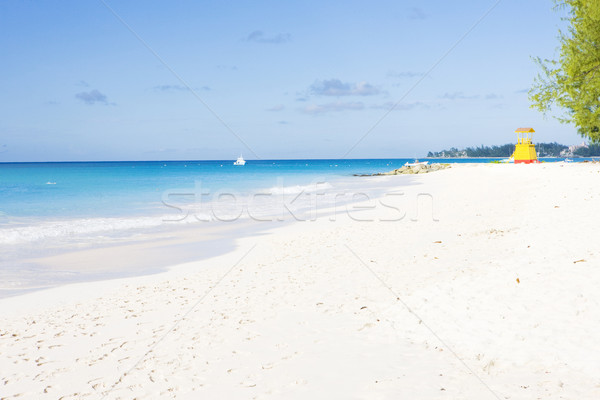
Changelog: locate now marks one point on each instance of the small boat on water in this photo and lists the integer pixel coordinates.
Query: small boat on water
(240, 161)
(568, 160)
(414, 164)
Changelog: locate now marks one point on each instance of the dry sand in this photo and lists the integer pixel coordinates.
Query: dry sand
(486, 288)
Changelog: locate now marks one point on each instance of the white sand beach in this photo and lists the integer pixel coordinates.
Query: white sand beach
(483, 284)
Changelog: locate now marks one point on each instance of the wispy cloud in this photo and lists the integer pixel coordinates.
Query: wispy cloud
(526, 90)
(403, 74)
(277, 107)
(302, 96)
(333, 107)
(82, 84)
(335, 87)
(283, 122)
(176, 88)
(492, 96)
(260, 37)
(92, 97)
(3, 148)
(400, 107)
(416, 13)
(169, 88)
(462, 96)
(458, 96)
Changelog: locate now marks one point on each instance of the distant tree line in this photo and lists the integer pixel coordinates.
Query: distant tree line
(506, 150)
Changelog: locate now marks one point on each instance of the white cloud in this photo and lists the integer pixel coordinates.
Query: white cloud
(416, 13)
(260, 37)
(178, 88)
(404, 74)
(335, 87)
(458, 96)
(277, 107)
(400, 106)
(333, 107)
(492, 96)
(92, 97)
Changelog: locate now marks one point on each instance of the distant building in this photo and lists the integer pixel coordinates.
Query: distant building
(572, 149)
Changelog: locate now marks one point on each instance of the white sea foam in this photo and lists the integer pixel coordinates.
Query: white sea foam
(295, 189)
(76, 227)
(279, 200)
(22, 232)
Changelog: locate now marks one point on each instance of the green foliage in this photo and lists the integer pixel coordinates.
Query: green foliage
(573, 82)
(550, 149)
(495, 151)
(506, 150)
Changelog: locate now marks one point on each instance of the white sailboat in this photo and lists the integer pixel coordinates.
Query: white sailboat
(240, 161)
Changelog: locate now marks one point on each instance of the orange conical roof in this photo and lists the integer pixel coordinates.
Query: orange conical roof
(524, 130)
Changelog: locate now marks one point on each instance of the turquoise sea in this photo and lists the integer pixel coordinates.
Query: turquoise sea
(117, 189)
(49, 208)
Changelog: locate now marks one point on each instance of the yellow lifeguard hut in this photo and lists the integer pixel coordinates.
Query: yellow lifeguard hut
(525, 149)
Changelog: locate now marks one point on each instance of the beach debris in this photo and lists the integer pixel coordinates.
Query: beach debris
(438, 241)
(518, 281)
(410, 170)
(489, 366)
(578, 261)
(367, 325)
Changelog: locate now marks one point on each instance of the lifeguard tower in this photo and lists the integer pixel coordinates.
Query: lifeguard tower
(525, 149)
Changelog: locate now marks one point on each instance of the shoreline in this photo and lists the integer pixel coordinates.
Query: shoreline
(56, 261)
(496, 260)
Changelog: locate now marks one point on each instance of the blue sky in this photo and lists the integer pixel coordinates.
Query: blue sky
(270, 79)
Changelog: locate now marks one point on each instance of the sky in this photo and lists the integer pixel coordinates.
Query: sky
(149, 80)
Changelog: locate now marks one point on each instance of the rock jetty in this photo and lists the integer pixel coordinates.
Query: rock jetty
(409, 170)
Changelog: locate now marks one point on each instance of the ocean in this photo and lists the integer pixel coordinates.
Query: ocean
(47, 209)
(116, 189)
(41, 200)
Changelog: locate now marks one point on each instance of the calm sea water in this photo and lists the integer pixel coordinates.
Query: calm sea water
(113, 189)
(117, 189)
(51, 208)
